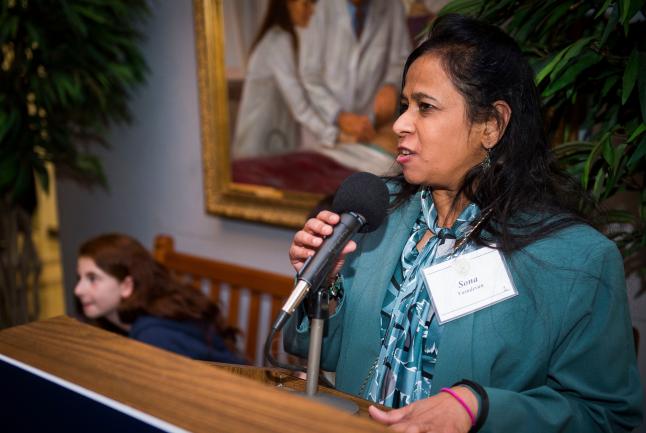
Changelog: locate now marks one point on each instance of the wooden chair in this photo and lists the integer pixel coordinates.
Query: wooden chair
(258, 288)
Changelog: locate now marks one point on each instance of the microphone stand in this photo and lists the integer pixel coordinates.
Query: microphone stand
(318, 304)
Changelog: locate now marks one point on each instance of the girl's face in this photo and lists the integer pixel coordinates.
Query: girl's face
(300, 12)
(99, 292)
(437, 143)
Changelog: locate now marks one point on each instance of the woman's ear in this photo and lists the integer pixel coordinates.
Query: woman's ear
(126, 286)
(496, 125)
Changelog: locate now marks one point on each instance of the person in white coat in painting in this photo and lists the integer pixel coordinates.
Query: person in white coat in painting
(274, 101)
(352, 57)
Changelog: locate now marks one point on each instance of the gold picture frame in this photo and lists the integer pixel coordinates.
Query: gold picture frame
(222, 195)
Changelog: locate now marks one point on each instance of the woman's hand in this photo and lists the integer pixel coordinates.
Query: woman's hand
(438, 414)
(309, 239)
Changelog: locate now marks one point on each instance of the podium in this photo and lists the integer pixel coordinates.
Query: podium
(63, 375)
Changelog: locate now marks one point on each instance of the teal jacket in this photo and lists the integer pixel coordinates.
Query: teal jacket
(557, 358)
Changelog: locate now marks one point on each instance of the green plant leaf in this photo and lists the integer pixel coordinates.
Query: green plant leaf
(75, 21)
(562, 58)
(630, 75)
(90, 166)
(6, 123)
(638, 154)
(591, 159)
(557, 13)
(41, 174)
(34, 34)
(624, 7)
(572, 51)
(608, 84)
(642, 83)
(467, 7)
(585, 61)
(90, 13)
(23, 182)
(11, 27)
(640, 128)
(611, 25)
(532, 20)
(8, 170)
(603, 8)
(620, 161)
(608, 152)
(597, 188)
(547, 69)
(619, 216)
(628, 9)
(569, 148)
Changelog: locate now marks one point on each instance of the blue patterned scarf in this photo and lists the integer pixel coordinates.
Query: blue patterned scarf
(410, 334)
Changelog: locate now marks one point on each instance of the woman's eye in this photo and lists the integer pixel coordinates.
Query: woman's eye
(403, 107)
(91, 277)
(423, 107)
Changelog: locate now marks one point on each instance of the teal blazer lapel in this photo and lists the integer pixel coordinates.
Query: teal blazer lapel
(374, 270)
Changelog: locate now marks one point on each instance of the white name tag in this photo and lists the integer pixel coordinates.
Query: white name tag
(468, 283)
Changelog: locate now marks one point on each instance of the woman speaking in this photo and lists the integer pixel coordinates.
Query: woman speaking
(486, 301)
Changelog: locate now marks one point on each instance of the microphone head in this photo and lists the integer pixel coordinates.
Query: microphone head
(365, 194)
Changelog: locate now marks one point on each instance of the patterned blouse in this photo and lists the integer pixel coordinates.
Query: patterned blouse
(410, 333)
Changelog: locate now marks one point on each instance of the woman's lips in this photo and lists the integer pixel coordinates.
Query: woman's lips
(404, 155)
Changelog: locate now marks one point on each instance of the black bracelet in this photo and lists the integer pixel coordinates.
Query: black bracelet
(483, 410)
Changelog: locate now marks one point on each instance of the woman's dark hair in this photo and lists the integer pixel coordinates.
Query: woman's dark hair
(523, 195)
(155, 291)
(277, 15)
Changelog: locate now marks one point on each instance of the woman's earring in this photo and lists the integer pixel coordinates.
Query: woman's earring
(486, 162)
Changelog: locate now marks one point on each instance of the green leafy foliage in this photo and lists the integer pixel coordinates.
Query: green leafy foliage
(590, 63)
(67, 69)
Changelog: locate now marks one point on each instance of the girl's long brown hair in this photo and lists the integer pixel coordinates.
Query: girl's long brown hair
(155, 291)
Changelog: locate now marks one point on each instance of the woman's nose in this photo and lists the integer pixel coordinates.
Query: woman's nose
(403, 125)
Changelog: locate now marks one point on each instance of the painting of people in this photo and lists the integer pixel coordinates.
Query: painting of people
(313, 87)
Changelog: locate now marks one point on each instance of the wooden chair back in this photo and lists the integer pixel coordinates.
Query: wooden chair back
(254, 289)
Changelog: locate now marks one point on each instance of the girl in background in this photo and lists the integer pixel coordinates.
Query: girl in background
(122, 288)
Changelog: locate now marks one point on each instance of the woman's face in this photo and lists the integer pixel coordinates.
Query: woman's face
(100, 293)
(300, 12)
(437, 144)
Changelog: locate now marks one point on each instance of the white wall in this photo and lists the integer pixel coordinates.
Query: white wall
(154, 167)
(154, 171)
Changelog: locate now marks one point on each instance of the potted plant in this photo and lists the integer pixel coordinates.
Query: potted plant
(67, 69)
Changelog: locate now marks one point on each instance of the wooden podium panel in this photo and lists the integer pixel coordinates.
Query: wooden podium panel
(182, 394)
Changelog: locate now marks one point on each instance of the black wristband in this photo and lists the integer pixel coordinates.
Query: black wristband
(483, 410)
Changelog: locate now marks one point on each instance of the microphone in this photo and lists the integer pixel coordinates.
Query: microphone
(361, 201)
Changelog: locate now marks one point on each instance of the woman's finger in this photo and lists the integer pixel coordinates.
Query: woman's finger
(350, 247)
(305, 239)
(318, 227)
(329, 217)
(298, 253)
(388, 417)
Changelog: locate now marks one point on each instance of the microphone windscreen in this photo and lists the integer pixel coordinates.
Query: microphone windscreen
(365, 194)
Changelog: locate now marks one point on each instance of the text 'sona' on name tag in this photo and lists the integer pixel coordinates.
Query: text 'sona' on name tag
(468, 283)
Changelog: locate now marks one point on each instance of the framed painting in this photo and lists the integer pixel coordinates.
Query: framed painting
(222, 195)
(278, 188)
